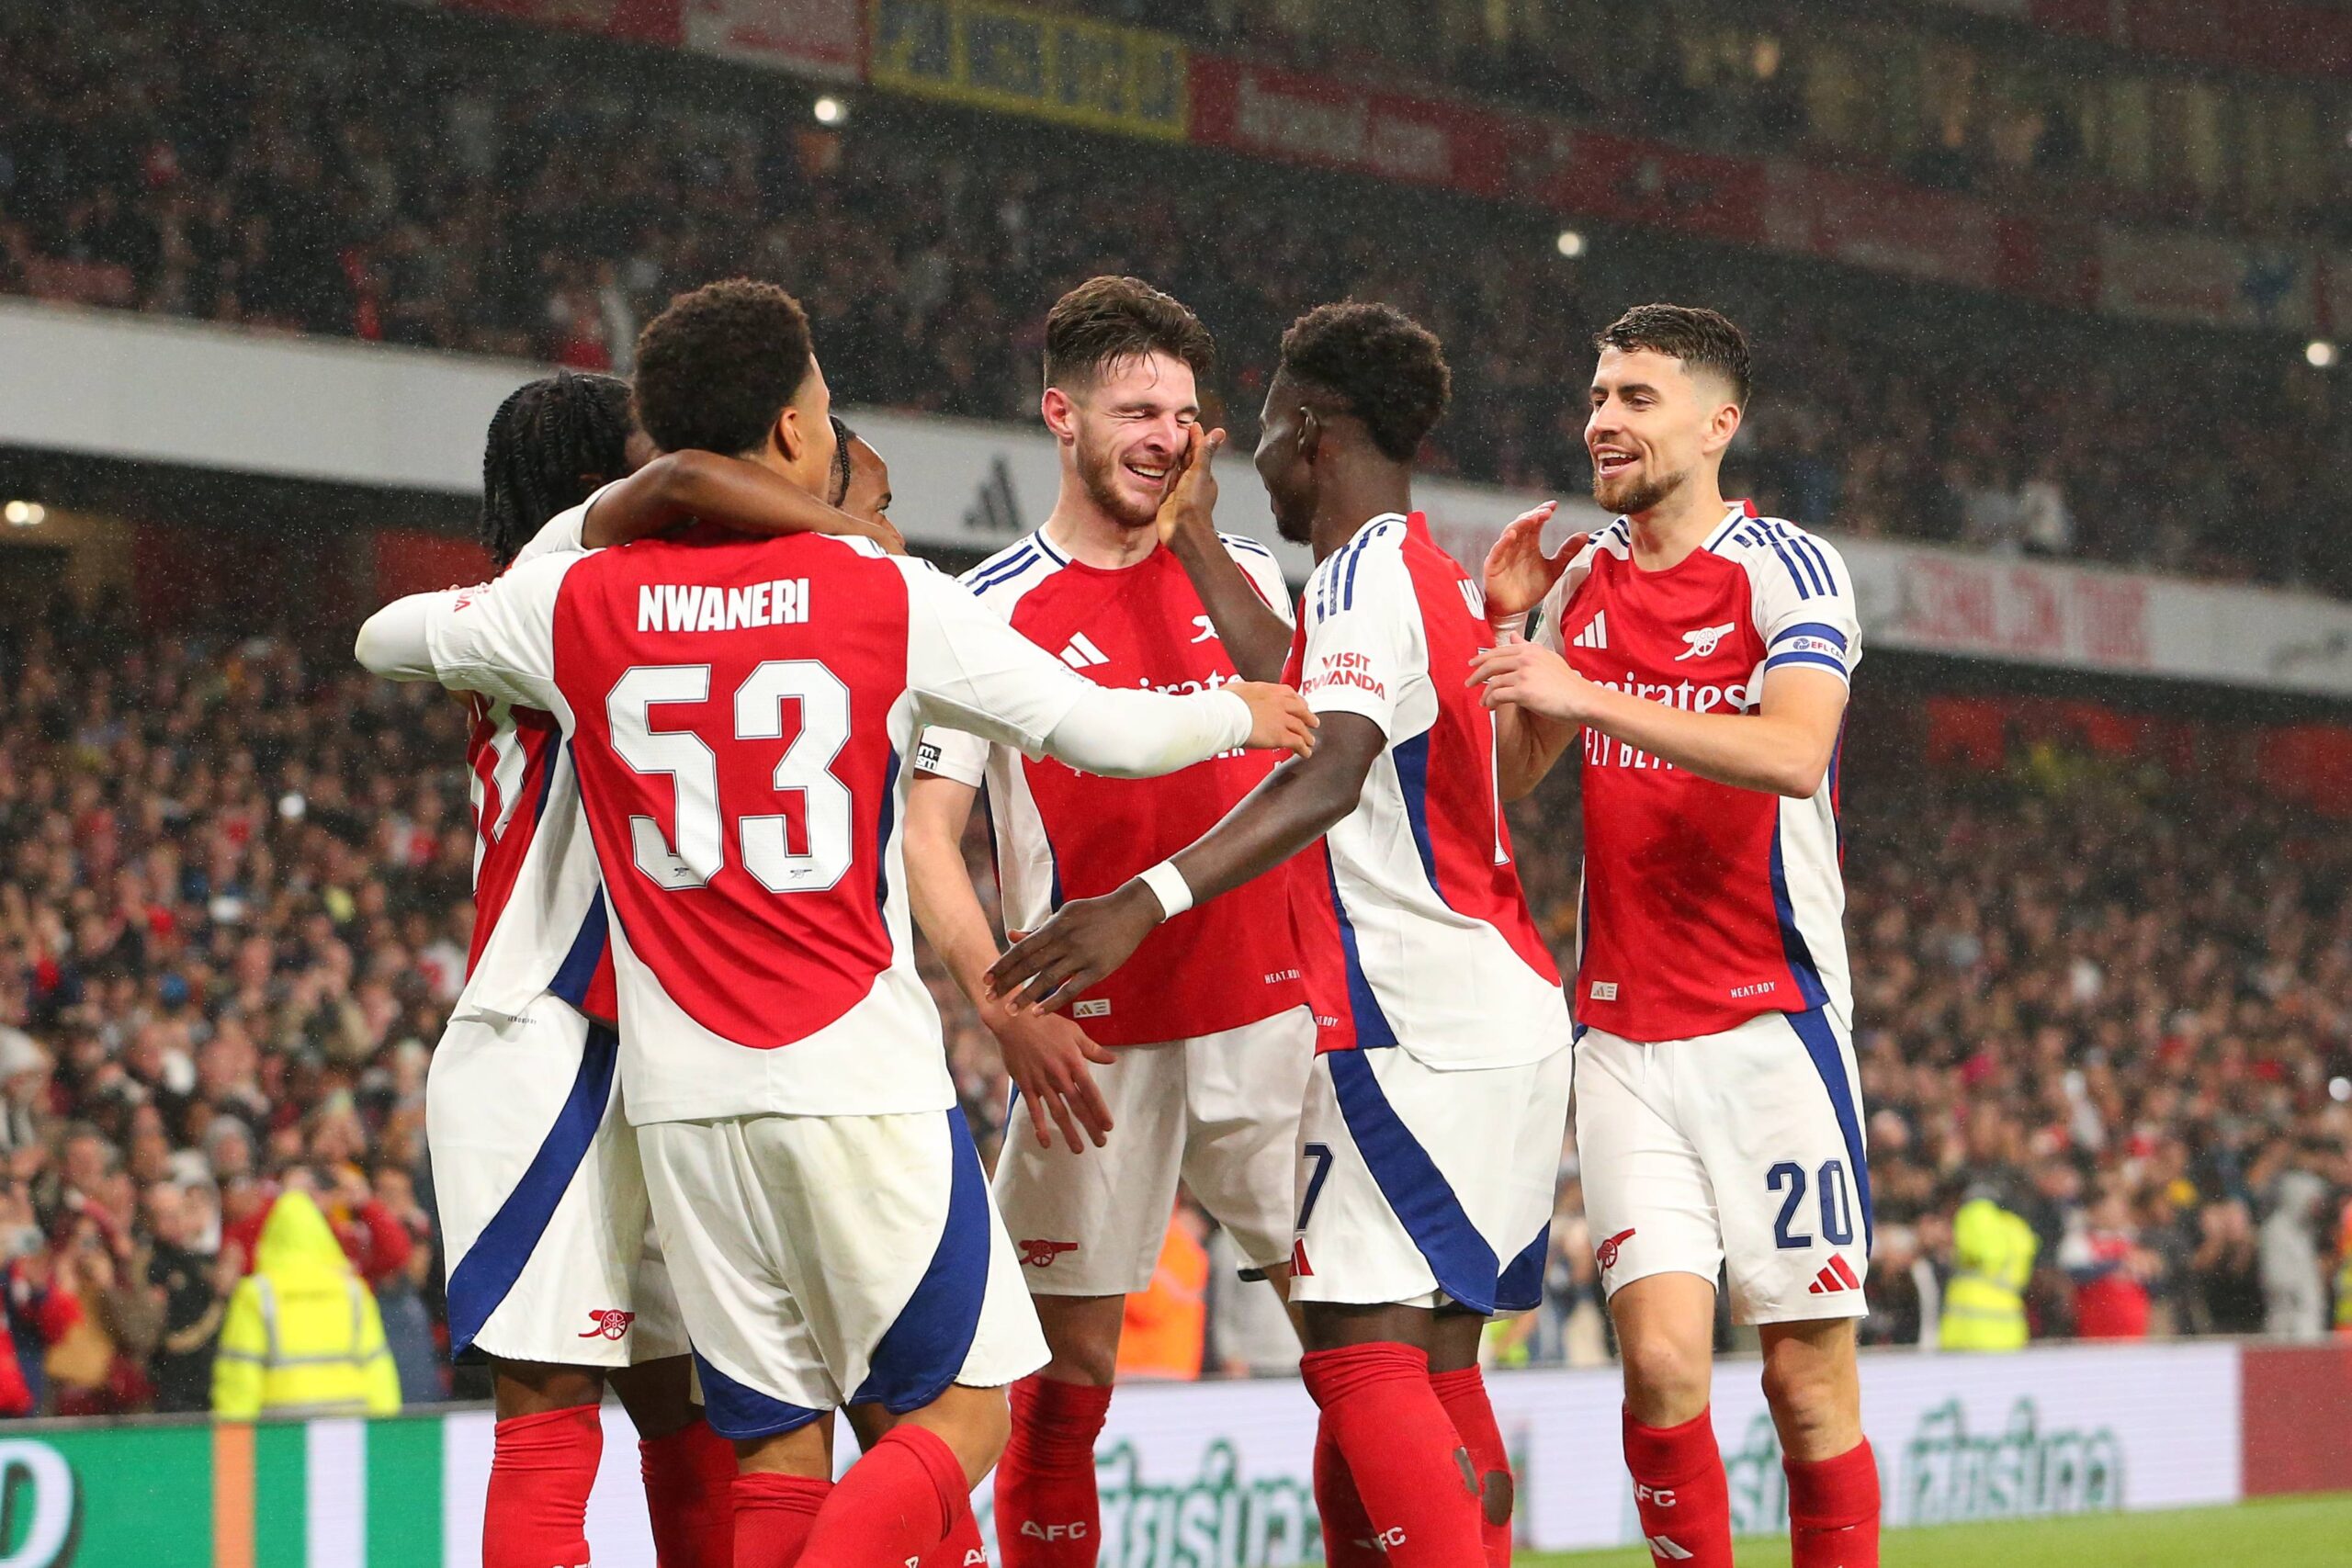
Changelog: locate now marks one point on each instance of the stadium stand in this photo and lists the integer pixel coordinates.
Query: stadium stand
(451, 184)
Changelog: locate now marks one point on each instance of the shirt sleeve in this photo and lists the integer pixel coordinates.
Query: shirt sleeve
(1804, 605)
(1552, 614)
(972, 672)
(497, 639)
(564, 533)
(1265, 572)
(954, 754)
(1362, 633)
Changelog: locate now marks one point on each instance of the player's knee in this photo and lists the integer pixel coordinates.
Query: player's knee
(1806, 1395)
(1665, 1383)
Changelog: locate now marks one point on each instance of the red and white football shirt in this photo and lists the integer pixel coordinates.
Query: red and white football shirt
(1705, 905)
(738, 711)
(1413, 924)
(1063, 834)
(540, 919)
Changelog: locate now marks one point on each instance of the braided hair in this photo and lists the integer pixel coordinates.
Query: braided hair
(551, 443)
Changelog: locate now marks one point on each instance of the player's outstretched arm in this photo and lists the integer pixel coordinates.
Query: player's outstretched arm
(1252, 630)
(1046, 1056)
(1783, 748)
(1140, 735)
(678, 486)
(1088, 938)
(495, 637)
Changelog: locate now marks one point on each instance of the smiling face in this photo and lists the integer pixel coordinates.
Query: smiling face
(1125, 431)
(1653, 426)
(1284, 460)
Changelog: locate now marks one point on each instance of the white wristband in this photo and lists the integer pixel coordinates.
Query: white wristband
(1168, 885)
(1509, 629)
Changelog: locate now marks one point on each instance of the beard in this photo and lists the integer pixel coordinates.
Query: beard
(1098, 471)
(1630, 498)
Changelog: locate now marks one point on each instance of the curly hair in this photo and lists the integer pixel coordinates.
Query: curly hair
(1701, 338)
(715, 368)
(1108, 319)
(550, 443)
(1376, 363)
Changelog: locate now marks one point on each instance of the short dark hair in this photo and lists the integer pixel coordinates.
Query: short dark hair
(1382, 365)
(1701, 338)
(550, 444)
(715, 368)
(1108, 319)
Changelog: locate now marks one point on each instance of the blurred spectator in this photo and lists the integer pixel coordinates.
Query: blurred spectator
(2110, 1271)
(1992, 1250)
(2294, 1281)
(1249, 1333)
(2227, 1271)
(1166, 1330)
(194, 1288)
(302, 1335)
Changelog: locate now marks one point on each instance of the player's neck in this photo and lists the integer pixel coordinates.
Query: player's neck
(1664, 537)
(1091, 536)
(1345, 508)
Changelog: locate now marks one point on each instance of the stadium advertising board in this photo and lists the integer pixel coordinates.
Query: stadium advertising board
(993, 56)
(812, 38)
(1331, 125)
(2176, 275)
(1190, 1474)
(646, 21)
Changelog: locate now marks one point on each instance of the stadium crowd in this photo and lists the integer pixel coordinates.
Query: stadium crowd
(451, 183)
(234, 912)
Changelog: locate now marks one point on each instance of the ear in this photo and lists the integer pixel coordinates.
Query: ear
(1310, 434)
(1060, 414)
(786, 435)
(1722, 426)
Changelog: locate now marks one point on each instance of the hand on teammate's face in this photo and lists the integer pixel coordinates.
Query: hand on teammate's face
(1531, 677)
(1190, 504)
(1518, 572)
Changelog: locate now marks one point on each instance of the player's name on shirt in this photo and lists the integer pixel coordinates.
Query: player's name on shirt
(702, 607)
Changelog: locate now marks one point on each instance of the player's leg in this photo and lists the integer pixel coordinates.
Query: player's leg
(1382, 1241)
(543, 1213)
(688, 1470)
(1243, 1088)
(963, 1548)
(1778, 1117)
(1659, 1242)
(913, 1300)
(766, 1386)
(1087, 1229)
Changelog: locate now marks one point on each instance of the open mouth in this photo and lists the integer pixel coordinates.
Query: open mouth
(1609, 462)
(1153, 474)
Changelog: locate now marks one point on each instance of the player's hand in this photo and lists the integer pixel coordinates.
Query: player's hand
(1189, 507)
(1518, 571)
(1533, 678)
(1045, 1057)
(1086, 940)
(1280, 719)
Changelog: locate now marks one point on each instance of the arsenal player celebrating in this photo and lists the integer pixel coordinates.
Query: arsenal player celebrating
(1198, 1053)
(1704, 653)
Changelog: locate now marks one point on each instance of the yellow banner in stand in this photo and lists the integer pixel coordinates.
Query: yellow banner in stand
(1011, 58)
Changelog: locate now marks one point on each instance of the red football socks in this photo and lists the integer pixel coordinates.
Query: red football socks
(541, 1469)
(689, 1494)
(1047, 1512)
(893, 1508)
(1833, 1510)
(1464, 1394)
(1401, 1447)
(1347, 1529)
(773, 1517)
(961, 1549)
(1680, 1491)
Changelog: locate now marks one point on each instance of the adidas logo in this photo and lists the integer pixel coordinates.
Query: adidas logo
(1596, 634)
(995, 510)
(1835, 1280)
(1081, 653)
(1666, 1551)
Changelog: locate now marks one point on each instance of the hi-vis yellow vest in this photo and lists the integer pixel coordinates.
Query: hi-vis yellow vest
(1983, 1305)
(302, 1336)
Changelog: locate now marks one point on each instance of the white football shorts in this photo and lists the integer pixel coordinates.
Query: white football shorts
(541, 1197)
(1220, 1112)
(831, 1260)
(1740, 1152)
(1424, 1187)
